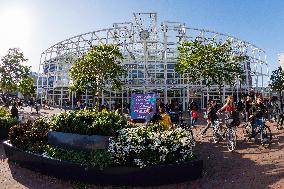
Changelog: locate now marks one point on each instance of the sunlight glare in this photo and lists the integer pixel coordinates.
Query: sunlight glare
(15, 28)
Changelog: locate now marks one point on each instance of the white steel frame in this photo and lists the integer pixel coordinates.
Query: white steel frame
(149, 62)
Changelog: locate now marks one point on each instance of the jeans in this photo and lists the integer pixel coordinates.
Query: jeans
(189, 117)
(209, 124)
(193, 121)
(257, 122)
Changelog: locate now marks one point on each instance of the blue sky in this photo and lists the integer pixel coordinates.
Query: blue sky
(35, 25)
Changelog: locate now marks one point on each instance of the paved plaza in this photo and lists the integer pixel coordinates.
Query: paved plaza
(251, 166)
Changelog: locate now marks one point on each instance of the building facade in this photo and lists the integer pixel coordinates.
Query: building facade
(150, 54)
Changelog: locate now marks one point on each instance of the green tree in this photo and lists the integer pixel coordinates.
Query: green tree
(214, 62)
(12, 71)
(26, 86)
(97, 69)
(277, 80)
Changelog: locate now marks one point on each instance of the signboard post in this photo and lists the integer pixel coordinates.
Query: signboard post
(140, 103)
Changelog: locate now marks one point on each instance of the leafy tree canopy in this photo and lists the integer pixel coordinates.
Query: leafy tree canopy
(277, 79)
(211, 61)
(98, 68)
(12, 70)
(26, 86)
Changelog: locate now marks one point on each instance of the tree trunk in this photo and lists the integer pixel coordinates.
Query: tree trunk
(220, 91)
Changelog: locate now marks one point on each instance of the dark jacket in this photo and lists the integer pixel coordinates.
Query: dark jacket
(212, 113)
(258, 110)
(14, 112)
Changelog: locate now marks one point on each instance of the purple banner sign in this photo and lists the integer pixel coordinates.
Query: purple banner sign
(140, 103)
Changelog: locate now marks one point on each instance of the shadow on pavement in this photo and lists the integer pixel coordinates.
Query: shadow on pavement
(251, 166)
(2, 152)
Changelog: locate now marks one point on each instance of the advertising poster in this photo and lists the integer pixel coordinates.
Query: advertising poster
(140, 103)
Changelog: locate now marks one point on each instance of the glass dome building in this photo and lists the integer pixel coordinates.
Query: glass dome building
(150, 54)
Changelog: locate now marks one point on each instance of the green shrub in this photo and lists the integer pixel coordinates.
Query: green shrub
(98, 158)
(6, 121)
(30, 136)
(72, 122)
(107, 123)
(4, 112)
(88, 123)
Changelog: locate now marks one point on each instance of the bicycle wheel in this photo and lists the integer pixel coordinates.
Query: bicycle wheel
(216, 137)
(192, 136)
(231, 139)
(266, 136)
(247, 131)
(216, 132)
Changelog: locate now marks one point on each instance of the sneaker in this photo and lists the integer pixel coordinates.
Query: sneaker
(252, 139)
(215, 140)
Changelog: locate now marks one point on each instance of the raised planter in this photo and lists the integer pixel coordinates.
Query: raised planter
(115, 176)
(72, 141)
(4, 132)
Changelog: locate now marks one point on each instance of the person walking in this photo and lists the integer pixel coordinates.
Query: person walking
(14, 111)
(211, 116)
(194, 116)
(192, 107)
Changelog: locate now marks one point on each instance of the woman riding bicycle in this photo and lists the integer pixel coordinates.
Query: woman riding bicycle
(231, 121)
(229, 108)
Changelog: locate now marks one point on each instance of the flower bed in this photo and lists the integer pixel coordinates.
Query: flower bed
(115, 176)
(132, 153)
(146, 146)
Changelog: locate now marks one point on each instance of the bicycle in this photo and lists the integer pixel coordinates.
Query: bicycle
(181, 123)
(262, 129)
(226, 131)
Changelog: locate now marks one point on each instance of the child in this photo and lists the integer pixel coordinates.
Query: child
(194, 116)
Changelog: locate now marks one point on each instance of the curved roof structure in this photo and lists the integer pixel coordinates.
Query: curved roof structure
(150, 51)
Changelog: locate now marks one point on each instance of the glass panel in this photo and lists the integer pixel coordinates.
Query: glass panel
(171, 66)
(140, 74)
(134, 75)
(159, 75)
(170, 75)
(140, 66)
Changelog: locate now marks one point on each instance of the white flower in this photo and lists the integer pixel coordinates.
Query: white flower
(131, 143)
